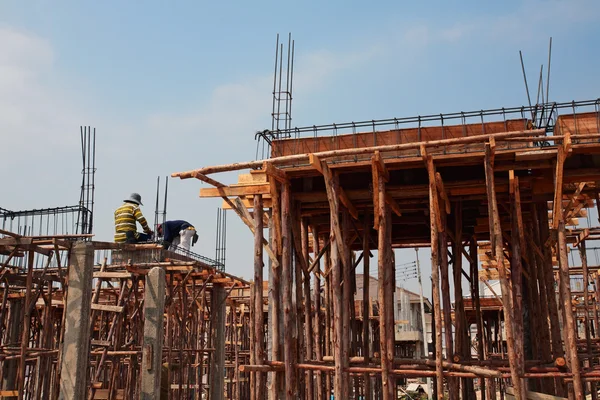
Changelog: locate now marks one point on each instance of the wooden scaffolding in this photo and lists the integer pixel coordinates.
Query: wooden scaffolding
(511, 188)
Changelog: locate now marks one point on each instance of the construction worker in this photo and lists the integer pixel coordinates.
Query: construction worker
(125, 221)
(177, 233)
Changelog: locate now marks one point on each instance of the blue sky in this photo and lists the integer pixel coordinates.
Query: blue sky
(181, 85)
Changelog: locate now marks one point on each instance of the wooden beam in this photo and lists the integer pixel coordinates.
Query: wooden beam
(230, 191)
(442, 192)
(315, 162)
(381, 166)
(348, 203)
(274, 172)
(393, 204)
(245, 216)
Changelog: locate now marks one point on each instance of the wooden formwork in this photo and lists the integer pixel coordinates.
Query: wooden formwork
(515, 190)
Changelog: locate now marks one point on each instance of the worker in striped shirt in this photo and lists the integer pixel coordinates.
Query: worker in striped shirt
(125, 221)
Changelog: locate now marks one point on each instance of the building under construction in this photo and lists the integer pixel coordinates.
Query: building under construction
(497, 195)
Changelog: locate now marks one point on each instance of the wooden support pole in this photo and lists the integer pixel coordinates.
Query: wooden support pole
(496, 233)
(453, 383)
(308, 331)
(517, 271)
(217, 332)
(287, 278)
(548, 276)
(259, 323)
(386, 284)
(366, 295)
(154, 309)
(463, 347)
(347, 297)
(275, 319)
(564, 279)
(586, 321)
(434, 211)
(318, 338)
(474, 269)
(299, 268)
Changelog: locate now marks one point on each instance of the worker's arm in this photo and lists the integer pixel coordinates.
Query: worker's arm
(140, 218)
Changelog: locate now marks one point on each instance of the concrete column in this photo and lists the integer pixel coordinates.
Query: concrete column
(154, 308)
(13, 337)
(76, 345)
(217, 361)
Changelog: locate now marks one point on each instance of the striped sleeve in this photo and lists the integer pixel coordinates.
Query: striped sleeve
(140, 218)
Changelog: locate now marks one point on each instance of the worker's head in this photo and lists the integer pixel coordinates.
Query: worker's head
(159, 229)
(135, 198)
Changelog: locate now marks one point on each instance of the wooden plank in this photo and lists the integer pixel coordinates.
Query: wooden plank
(230, 191)
(315, 162)
(108, 308)
(113, 275)
(532, 395)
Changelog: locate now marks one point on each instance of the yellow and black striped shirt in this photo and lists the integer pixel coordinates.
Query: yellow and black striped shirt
(125, 218)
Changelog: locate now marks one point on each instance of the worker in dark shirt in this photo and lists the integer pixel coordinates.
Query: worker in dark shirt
(177, 233)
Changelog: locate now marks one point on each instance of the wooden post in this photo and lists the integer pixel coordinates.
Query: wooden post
(588, 341)
(463, 347)
(308, 331)
(386, 284)
(259, 323)
(217, 332)
(298, 336)
(347, 299)
(548, 277)
(328, 325)
(564, 279)
(474, 268)
(366, 336)
(318, 339)
(287, 278)
(434, 210)
(453, 383)
(498, 252)
(516, 270)
(597, 304)
(569, 320)
(341, 385)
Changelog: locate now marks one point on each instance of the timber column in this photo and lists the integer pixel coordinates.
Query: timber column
(74, 368)
(217, 327)
(14, 332)
(154, 306)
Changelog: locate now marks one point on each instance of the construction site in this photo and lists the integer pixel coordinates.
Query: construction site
(504, 200)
